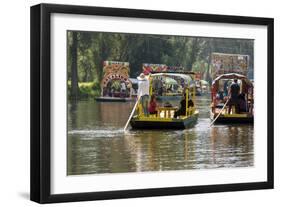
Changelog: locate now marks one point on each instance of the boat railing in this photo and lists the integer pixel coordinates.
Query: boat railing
(166, 112)
(190, 111)
(162, 112)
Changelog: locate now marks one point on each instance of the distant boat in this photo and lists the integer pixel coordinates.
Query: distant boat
(116, 85)
(202, 87)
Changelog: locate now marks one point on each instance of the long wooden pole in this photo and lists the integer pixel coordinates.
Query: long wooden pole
(220, 112)
(133, 111)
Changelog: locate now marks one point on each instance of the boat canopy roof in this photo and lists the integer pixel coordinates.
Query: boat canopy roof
(180, 75)
(233, 76)
(187, 78)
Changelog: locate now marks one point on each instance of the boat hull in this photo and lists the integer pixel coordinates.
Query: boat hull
(233, 119)
(173, 124)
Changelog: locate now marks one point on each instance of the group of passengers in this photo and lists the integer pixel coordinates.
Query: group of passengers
(236, 99)
(119, 90)
(150, 106)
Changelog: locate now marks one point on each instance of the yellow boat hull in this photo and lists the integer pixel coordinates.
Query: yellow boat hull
(164, 123)
(233, 118)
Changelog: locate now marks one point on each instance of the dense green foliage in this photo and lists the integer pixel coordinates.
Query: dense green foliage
(92, 48)
(86, 89)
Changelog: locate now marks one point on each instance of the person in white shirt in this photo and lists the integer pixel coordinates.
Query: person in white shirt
(143, 92)
(123, 89)
(123, 86)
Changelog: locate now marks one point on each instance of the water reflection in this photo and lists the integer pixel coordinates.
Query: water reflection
(97, 144)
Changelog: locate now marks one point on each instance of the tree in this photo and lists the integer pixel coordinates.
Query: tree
(194, 49)
(74, 73)
(88, 50)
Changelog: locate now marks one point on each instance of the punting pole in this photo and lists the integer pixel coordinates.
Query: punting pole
(220, 112)
(133, 111)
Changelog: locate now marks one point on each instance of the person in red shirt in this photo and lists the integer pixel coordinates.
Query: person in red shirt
(152, 105)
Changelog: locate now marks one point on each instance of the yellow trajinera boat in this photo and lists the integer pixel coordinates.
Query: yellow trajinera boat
(220, 112)
(165, 117)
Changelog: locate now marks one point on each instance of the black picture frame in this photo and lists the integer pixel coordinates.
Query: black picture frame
(41, 98)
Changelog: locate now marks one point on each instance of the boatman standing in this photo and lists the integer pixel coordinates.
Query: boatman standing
(143, 92)
(234, 91)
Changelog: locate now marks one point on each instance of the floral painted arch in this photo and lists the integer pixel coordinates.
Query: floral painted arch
(113, 71)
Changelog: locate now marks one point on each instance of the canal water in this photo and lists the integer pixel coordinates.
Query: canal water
(96, 142)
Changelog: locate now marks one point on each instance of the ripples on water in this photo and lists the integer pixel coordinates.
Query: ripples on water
(98, 144)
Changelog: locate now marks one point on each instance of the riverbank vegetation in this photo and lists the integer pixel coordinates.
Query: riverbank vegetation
(85, 89)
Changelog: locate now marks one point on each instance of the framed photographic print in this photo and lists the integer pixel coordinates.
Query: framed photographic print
(133, 103)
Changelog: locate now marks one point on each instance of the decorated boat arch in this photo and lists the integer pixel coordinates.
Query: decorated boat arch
(115, 84)
(223, 63)
(158, 68)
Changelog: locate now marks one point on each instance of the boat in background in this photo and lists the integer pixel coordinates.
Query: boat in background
(202, 86)
(219, 113)
(116, 85)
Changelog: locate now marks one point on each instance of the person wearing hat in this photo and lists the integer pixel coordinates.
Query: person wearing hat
(143, 92)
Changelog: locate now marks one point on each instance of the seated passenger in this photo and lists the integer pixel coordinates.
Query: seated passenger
(190, 103)
(219, 95)
(152, 105)
(182, 109)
